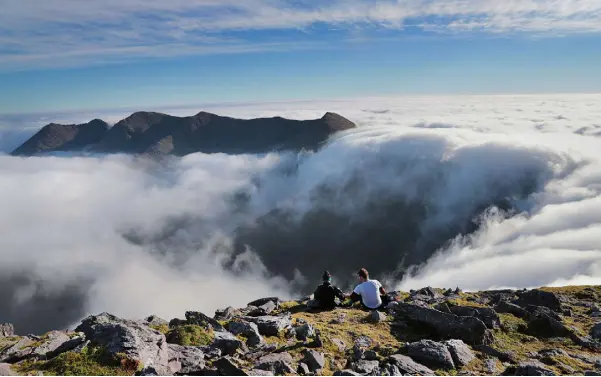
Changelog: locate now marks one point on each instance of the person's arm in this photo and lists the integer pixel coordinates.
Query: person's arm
(338, 293)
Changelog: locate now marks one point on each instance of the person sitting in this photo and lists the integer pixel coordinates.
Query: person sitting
(325, 295)
(370, 292)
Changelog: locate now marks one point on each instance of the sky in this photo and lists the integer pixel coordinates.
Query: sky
(73, 55)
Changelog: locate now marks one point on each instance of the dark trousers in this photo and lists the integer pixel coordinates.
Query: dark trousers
(385, 301)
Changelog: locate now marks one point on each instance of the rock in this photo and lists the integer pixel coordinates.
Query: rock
(202, 320)
(491, 366)
(211, 352)
(407, 366)
(543, 325)
(278, 363)
(508, 307)
(490, 351)
(262, 301)
(154, 320)
(227, 367)
(340, 318)
(366, 367)
(304, 331)
(270, 325)
(248, 329)
(339, 344)
(486, 315)
(191, 359)
(314, 360)
(133, 339)
(227, 343)
(16, 351)
(535, 311)
(376, 317)
(370, 355)
(345, 372)
(428, 291)
(528, 368)
(448, 326)
(462, 355)
(6, 329)
(592, 373)
(538, 297)
(303, 369)
(264, 309)
(226, 314)
(51, 341)
(431, 353)
(74, 344)
(259, 372)
(595, 332)
(363, 341)
(5, 370)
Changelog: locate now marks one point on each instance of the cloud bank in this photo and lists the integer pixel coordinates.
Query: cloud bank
(77, 32)
(428, 191)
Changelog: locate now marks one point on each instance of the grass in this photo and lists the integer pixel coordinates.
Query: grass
(162, 328)
(91, 361)
(190, 335)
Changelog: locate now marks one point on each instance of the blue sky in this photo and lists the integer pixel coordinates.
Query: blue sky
(64, 55)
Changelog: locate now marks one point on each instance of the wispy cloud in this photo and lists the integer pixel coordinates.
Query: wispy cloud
(35, 33)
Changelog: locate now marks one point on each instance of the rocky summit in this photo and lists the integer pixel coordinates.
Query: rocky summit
(156, 134)
(547, 331)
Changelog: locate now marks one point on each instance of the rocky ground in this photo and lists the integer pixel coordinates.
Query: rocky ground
(548, 331)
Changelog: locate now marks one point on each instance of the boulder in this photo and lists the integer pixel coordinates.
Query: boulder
(390, 370)
(134, 339)
(508, 307)
(6, 329)
(303, 369)
(6, 370)
(247, 329)
(376, 317)
(226, 314)
(74, 344)
(366, 367)
(491, 366)
(592, 373)
(314, 360)
(262, 301)
(50, 343)
(448, 326)
(278, 363)
(428, 291)
(490, 351)
(407, 366)
(264, 309)
(486, 315)
(191, 359)
(543, 325)
(370, 355)
(528, 368)
(595, 332)
(461, 353)
(538, 297)
(339, 344)
(304, 331)
(227, 343)
(270, 325)
(153, 320)
(227, 367)
(345, 372)
(203, 320)
(17, 351)
(259, 372)
(431, 353)
(534, 311)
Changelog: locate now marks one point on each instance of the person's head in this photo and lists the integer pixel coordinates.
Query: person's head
(326, 277)
(363, 275)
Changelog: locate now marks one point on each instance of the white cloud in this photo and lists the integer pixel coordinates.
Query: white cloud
(35, 33)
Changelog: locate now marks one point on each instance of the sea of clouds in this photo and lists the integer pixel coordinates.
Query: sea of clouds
(115, 233)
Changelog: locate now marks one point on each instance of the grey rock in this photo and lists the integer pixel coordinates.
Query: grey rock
(16, 351)
(431, 353)
(304, 331)
(211, 352)
(542, 324)
(339, 344)
(538, 297)
(376, 317)
(303, 369)
(259, 372)
(153, 320)
(226, 314)
(486, 315)
(490, 351)
(529, 368)
(201, 319)
(508, 307)
(596, 331)
(461, 353)
(428, 291)
(390, 370)
(6, 329)
(491, 365)
(535, 311)
(370, 355)
(262, 301)
(227, 367)
(345, 372)
(314, 360)
(366, 367)
(51, 341)
(248, 329)
(363, 341)
(75, 344)
(134, 339)
(407, 366)
(227, 343)
(6, 370)
(278, 363)
(270, 325)
(191, 359)
(449, 326)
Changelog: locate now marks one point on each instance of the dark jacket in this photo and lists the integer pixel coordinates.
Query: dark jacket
(326, 293)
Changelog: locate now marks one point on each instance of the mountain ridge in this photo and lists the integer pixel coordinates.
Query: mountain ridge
(155, 133)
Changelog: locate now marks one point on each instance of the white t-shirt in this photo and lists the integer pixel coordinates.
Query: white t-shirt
(370, 293)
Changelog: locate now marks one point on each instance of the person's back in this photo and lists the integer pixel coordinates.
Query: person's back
(325, 294)
(369, 291)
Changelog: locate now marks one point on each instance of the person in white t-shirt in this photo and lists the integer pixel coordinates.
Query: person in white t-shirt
(371, 292)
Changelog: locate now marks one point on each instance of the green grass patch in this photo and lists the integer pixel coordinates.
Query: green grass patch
(190, 335)
(162, 328)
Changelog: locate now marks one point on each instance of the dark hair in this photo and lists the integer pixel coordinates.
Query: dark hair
(363, 273)
(326, 276)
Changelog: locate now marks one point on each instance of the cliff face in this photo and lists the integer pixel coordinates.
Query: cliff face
(160, 134)
(548, 331)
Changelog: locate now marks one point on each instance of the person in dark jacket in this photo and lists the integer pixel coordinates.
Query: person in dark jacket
(325, 295)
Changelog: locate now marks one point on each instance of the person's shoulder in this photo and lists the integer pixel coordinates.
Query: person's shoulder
(376, 282)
